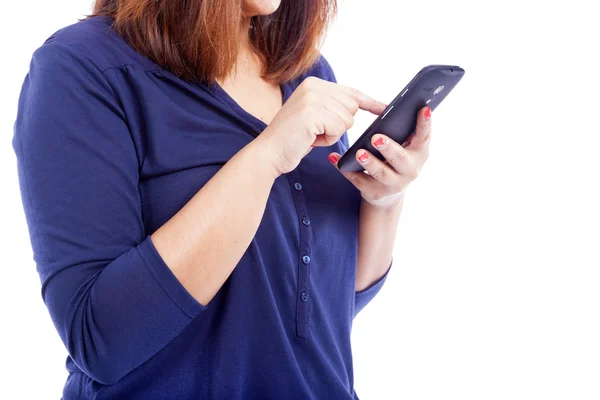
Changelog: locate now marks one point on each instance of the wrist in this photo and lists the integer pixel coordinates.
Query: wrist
(389, 205)
(264, 153)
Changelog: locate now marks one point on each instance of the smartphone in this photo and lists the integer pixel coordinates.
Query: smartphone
(429, 87)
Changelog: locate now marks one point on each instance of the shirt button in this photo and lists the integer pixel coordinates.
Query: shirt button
(297, 186)
(306, 259)
(304, 297)
(306, 221)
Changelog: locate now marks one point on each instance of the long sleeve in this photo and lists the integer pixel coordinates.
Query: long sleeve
(113, 300)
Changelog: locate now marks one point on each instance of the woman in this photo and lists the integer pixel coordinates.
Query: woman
(192, 238)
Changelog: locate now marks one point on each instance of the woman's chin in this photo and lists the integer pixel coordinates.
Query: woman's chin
(260, 7)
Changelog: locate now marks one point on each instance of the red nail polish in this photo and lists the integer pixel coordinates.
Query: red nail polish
(332, 158)
(427, 113)
(378, 142)
(363, 157)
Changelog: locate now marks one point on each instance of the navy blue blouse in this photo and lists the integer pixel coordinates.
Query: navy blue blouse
(109, 147)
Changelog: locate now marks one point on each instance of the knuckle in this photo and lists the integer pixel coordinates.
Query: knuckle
(304, 85)
(398, 188)
(310, 133)
(309, 84)
(309, 81)
(311, 97)
(342, 126)
(354, 180)
(307, 108)
(399, 158)
(321, 127)
(314, 129)
(349, 123)
(380, 174)
(412, 173)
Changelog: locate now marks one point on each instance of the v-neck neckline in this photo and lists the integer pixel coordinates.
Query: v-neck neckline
(257, 123)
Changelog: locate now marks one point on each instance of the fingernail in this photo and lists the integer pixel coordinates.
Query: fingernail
(379, 142)
(427, 113)
(332, 158)
(363, 157)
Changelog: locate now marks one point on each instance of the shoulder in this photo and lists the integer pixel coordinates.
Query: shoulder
(321, 69)
(92, 40)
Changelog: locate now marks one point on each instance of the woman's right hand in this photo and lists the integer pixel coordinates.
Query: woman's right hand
(316, 114)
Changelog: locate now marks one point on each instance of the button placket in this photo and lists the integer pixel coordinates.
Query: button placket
(303, 292)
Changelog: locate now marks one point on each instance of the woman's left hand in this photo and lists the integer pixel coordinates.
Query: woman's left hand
(385, 182)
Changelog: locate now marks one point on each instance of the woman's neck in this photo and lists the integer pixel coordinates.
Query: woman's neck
(248, 64)
(247, 56)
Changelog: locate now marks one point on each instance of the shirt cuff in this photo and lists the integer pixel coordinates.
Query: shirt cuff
(364, 296)
(168, 281)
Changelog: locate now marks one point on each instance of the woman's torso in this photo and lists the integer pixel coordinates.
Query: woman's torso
(279, 328)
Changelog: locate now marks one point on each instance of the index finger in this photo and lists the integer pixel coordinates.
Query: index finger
(364, 102)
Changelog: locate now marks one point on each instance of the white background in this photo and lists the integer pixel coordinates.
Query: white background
(495, 290)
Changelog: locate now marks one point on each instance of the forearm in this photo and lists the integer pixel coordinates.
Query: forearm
(205, 240)
(376, 237)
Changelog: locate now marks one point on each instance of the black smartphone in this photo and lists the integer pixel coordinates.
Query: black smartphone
(429, 87)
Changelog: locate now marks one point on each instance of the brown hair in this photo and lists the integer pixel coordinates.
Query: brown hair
(198, 40)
